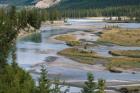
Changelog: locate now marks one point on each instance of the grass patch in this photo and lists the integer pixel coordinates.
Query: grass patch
(84, 60)
(69, 39)
(77, 52)
(89, 60)
(124, 62)
(81, 56)
(121, 37)
(128, 53)
(66, 38)
(73, 43)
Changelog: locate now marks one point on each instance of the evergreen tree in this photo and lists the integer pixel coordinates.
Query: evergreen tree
(101, 86)
(44, 82)
(34, 18)
(12, 77)
(90, 85)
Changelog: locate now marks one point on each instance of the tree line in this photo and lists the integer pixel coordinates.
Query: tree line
(129, 11)
(94, 4)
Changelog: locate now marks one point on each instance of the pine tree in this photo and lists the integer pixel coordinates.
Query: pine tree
(44, 82)
(90, 85)
(12, 77)
(101, 86)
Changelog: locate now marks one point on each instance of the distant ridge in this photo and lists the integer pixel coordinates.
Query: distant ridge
(19, 2)
(72, 4)
(75, 4)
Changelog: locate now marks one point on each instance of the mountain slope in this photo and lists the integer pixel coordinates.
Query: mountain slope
(18, 2)
(37, 3)
(74, 4)
(46, 3)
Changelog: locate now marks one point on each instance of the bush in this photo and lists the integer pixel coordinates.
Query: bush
(74, 43)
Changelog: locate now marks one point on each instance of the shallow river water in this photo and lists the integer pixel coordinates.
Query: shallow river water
(30, 53)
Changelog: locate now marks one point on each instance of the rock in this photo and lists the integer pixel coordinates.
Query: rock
(133, 72)
(46, 3)
(115, 70)
(50, 59)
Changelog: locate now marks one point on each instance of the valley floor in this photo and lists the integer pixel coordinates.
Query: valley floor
(46, 52)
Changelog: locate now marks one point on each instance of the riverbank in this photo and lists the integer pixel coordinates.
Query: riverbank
(30, 55)
(27, 31)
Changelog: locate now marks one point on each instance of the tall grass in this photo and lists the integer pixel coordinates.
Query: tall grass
(121, 37)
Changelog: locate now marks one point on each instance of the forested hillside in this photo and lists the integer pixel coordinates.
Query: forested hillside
(90, 8)
(18, 2)
(74, 4)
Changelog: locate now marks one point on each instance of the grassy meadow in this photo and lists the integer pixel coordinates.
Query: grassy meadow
(66, 38)
(121, 37)
(125, 62)
(81, 56)
(77, 52)
(70, 40)
(128, 53)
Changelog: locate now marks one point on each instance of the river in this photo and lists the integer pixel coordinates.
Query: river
(30, 53)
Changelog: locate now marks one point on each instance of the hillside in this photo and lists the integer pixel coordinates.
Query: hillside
(19, 2)
(36, 3)
(46, 3)
(74, 4)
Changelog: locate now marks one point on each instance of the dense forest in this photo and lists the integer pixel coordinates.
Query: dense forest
(88, 4)
(87, 8)
(129, 11)
(95, 8)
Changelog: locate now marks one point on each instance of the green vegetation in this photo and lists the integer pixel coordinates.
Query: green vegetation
(82, 56)
(74, 43)
(90, 8)
(121, 37)
(16, 80)
(69, 39)
(66, 38)
(101, 86)
(130, 11)
(44, 83)
(92, 87)
(87, 8)
(125, 37)
(125, 62)
(128, 53)
(18, 2)
(92, 58)
(12, 78)
(77, 52)
(92, 4)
